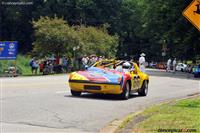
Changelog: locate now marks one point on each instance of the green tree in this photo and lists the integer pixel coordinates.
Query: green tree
(53, 36)
(164, 23)
(97, 41)
(142, 25)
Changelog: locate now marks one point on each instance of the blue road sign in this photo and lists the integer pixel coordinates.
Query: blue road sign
(8, 50)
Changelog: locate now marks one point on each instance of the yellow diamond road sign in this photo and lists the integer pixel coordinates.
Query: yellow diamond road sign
(192, 13)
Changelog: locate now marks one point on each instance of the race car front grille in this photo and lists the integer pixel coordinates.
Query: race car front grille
(91, 87)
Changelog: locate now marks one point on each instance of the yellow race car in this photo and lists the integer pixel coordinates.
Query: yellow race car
(110, 77)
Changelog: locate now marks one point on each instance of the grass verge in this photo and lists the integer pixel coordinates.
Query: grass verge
(22, 64)
(176, 116)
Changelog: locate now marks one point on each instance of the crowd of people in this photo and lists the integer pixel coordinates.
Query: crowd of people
(63, 64)
(49, 65)
(171, 64)
(52, 64)
(90, 60)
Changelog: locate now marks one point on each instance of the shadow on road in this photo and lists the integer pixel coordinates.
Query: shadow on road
(102, 96)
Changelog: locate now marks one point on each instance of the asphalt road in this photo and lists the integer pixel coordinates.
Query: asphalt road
(33, 104)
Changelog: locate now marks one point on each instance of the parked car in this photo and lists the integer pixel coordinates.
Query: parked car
(181, 67)
(152, 64)
(161, 65)
(110, 77)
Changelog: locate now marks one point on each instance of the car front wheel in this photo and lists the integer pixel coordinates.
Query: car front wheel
(75, 93)
(144, 89)
(126, 92)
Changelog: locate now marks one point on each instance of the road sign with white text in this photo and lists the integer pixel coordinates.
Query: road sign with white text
(8, 50)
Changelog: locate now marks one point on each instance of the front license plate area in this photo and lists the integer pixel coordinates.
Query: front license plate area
(91, 87)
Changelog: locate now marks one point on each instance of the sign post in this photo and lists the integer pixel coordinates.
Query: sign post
(8, 51)
(192, 13)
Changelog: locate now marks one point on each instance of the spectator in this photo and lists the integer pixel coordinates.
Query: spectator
(93, 59)
(31, 64)
(174, 65)
(142, 62)
(35, 67)
(100, 58)
(85, 61)
(41, 65)
(57, 60)
(65, 63)
(169, 65)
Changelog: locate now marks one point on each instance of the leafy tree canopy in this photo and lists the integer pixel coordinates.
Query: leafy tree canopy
(55, 36)
(142, 25)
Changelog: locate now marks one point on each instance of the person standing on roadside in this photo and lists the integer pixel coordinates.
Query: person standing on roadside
(65, 63)
(100, 58)
(174, 65)
(31, 64)
(84, 61)
(142, 62)
(35, 66)
(41, 65)
(169, 65)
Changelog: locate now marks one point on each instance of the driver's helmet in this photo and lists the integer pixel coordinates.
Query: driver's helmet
(86, 67)
(126, 65)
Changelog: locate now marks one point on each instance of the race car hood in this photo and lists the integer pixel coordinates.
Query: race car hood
(98, 75)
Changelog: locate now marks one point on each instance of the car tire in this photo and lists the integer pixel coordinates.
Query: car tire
(126, 92)
(144, 89)
(75, 93)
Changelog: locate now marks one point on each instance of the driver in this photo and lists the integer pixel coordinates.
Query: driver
(126, 67)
